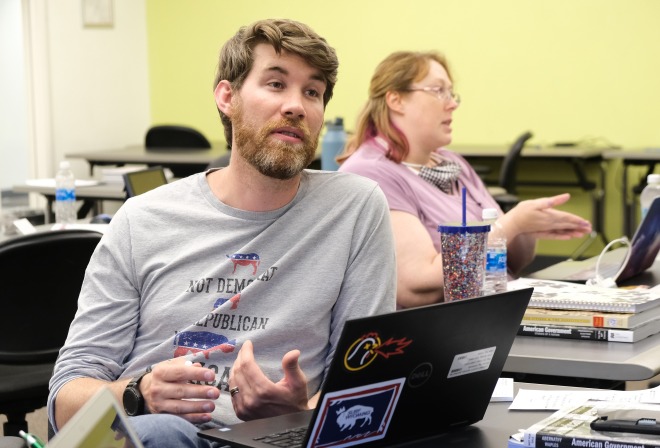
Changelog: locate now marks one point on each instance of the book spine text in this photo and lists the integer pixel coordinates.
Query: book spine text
(595, 320)
(559, 441)
(583, 333)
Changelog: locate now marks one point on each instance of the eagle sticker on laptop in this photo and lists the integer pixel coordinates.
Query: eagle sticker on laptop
(355, 416)
(367, 348)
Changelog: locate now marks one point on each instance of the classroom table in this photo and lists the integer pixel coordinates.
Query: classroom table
(647, 157)
(587, 363)
(577, 157)
(196, 159)
(191, 159)
(90, 195)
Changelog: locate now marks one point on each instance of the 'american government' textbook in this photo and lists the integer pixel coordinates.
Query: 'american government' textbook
(571, 427)
(574, 296)
(591, 333)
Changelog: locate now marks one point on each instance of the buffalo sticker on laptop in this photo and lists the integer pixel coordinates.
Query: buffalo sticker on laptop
(355, 416)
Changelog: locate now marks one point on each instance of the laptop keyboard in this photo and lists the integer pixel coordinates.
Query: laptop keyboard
(291, 438)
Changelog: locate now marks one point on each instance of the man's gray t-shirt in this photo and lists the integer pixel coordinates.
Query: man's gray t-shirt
(179, 273)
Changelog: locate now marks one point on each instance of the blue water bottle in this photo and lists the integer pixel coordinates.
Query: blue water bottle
(332, 144)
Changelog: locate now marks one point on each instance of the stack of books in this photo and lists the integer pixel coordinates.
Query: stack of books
(620, 425)
(576, 311)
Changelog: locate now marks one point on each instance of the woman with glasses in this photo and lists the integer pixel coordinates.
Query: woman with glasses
(399, 142)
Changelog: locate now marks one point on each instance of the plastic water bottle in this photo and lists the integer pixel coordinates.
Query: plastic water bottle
(332, 144)
(495, 274)
(65, 194)
(649, 193)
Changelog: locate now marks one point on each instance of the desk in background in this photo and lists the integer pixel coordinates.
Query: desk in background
(191, 159)
(587, 363)
(643, 157)
(90, 196)
(194, 159)
(583, 363)
(579, 158)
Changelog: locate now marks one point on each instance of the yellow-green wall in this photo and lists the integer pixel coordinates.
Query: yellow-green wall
(566, 70)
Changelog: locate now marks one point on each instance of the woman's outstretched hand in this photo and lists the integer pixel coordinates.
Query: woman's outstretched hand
(539, 218)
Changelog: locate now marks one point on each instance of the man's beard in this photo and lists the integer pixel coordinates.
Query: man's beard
(272, 157)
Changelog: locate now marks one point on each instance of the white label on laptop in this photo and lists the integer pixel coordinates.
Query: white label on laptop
(470, 362)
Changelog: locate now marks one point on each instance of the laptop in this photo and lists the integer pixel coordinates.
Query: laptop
(138, 182)
(101, 422)
(400, 377)
(644, 248)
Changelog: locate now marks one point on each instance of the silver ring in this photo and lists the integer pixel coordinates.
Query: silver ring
(233, 391)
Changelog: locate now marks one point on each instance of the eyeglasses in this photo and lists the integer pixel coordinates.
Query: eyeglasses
(440, 92)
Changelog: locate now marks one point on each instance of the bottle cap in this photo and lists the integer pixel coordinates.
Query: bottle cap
(489, 213)
(337, 123)
(653, 179)
(65, 165)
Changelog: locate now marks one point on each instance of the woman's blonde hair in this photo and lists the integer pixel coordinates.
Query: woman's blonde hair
(397, 73)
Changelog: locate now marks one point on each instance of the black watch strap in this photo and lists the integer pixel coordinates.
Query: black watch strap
(132, 399)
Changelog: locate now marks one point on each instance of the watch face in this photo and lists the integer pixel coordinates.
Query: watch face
(131, 402)
(132, 397)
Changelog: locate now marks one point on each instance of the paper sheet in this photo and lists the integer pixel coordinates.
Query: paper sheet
(531, 399)
(503, 390)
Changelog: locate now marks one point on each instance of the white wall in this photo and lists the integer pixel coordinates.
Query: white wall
(99, 79)
(85, 88)
(13, 103)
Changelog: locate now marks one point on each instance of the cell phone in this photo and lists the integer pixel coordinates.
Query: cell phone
(639, 426)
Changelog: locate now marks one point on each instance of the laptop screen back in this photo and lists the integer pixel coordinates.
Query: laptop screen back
(138, 182)
(644, 248)
(645, 243)
(432, 368)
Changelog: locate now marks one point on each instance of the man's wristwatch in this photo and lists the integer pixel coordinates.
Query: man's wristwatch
(133, 399)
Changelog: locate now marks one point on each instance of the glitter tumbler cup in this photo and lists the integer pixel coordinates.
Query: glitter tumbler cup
(463, 259)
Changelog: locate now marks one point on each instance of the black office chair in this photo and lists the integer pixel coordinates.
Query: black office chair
(41, 278)
(505, 191)
(161, 137)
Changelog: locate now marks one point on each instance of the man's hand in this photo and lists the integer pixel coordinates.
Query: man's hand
(167, 389)
(259, 397)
